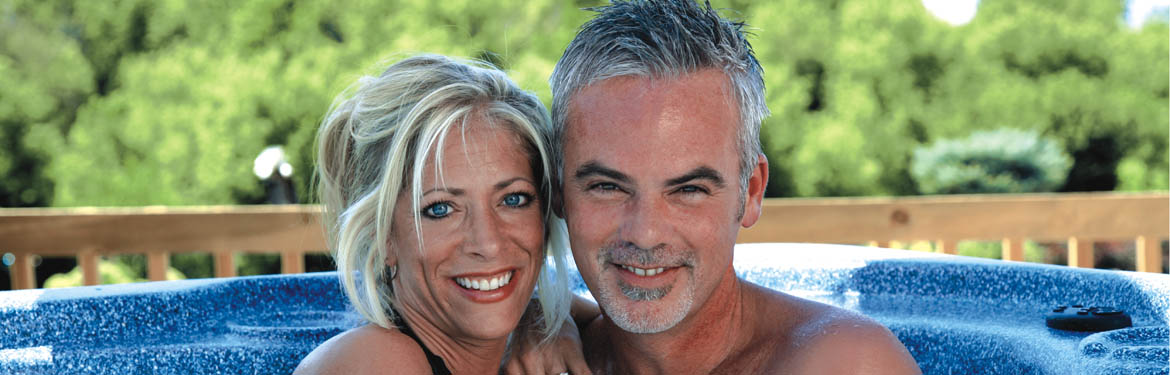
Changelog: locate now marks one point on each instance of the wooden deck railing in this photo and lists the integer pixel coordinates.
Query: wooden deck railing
(295, 230)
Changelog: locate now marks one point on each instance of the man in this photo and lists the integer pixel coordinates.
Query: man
(657, 108)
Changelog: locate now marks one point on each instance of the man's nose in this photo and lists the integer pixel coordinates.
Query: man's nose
(644, 224)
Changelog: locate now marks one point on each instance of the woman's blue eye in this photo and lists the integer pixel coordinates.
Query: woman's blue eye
(437, 210)
(516, 200)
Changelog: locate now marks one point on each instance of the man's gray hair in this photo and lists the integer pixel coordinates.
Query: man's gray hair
(661, 39)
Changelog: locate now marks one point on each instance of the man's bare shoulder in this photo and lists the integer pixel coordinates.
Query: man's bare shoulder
(368, 349)
(821, 339)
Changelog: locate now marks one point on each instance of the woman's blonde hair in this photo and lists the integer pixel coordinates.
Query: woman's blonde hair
(373, 144)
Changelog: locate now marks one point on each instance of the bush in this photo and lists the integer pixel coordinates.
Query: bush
(1033, 252)
(999, 161)
(111, 272)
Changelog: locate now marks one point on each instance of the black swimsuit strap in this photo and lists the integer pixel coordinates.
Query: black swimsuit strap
(438, 367)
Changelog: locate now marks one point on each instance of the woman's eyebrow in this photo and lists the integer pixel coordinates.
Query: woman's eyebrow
(505, 183)
(445, 190)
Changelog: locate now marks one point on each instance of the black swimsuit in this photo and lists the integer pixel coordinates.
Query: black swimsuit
(438, 367)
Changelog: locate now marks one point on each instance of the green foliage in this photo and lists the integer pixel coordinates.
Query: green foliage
(111, 272)
(201, 265)
(856, 86)
(994, 250)
(43, 78)
(259, 264)
(998, 161)
(193, 265)
(190, 265)
(166, 102)
(187, 94)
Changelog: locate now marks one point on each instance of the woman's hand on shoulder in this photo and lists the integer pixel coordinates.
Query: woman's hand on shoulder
(562, 354)
(368, 349)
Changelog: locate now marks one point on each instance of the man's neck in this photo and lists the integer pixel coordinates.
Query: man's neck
(697, 345)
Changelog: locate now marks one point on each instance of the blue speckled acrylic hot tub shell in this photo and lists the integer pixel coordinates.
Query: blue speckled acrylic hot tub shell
(956, 315)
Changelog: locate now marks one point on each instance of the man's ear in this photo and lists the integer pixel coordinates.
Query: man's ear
(558, 202)
(754, 202)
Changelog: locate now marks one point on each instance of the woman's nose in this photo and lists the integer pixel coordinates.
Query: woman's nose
(487, 239)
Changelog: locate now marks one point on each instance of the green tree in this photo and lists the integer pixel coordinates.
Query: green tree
(854, 86)
(43, 78)
(138, 102)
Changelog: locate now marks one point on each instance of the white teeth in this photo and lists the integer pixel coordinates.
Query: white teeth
(644, 271)
(485, 284)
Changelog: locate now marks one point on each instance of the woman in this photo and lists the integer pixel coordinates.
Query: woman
(435, 177)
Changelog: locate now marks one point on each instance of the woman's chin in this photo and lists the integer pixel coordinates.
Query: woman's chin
(490, 328)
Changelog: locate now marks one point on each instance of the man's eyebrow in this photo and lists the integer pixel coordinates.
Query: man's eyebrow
(700, 173)
(595, 168)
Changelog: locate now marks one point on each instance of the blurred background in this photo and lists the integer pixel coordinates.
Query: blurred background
(172, 102)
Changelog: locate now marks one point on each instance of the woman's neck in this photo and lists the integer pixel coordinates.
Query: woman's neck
(462, 355)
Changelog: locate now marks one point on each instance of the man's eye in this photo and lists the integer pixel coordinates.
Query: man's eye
(689, 189)
(517, 200)
(437, 210)
(604, 186)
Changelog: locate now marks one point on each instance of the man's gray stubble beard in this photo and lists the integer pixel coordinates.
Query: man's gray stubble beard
(645, 324)
(643, 294)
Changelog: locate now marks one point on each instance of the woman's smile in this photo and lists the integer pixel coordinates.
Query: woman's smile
(486, 289)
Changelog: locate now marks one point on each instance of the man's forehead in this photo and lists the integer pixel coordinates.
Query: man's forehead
(683, 122)
(716, 88)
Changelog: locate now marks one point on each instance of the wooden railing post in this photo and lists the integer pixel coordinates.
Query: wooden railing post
(292, 262)
(1080, 253)
(947, 246)
(225, 263)
(156, 265)
(88, 260)
(1149, 254)
(21, 272)
(1013, 249)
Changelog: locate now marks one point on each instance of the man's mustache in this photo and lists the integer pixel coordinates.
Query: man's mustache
(630, 254)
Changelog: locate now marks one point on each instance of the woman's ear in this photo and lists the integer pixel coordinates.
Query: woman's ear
(391, 270)
(391, 257)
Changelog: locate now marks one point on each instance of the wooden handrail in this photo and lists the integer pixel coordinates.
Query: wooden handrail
(963, 217)
(1077, 218)
(293, 230)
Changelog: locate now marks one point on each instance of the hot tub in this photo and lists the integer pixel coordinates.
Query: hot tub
(956, 315)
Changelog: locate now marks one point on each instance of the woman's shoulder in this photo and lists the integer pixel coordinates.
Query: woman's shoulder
(368, 349)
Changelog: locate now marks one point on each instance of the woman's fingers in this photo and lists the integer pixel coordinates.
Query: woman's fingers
(577, 366)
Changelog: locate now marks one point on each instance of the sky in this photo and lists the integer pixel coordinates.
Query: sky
(958, 12)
